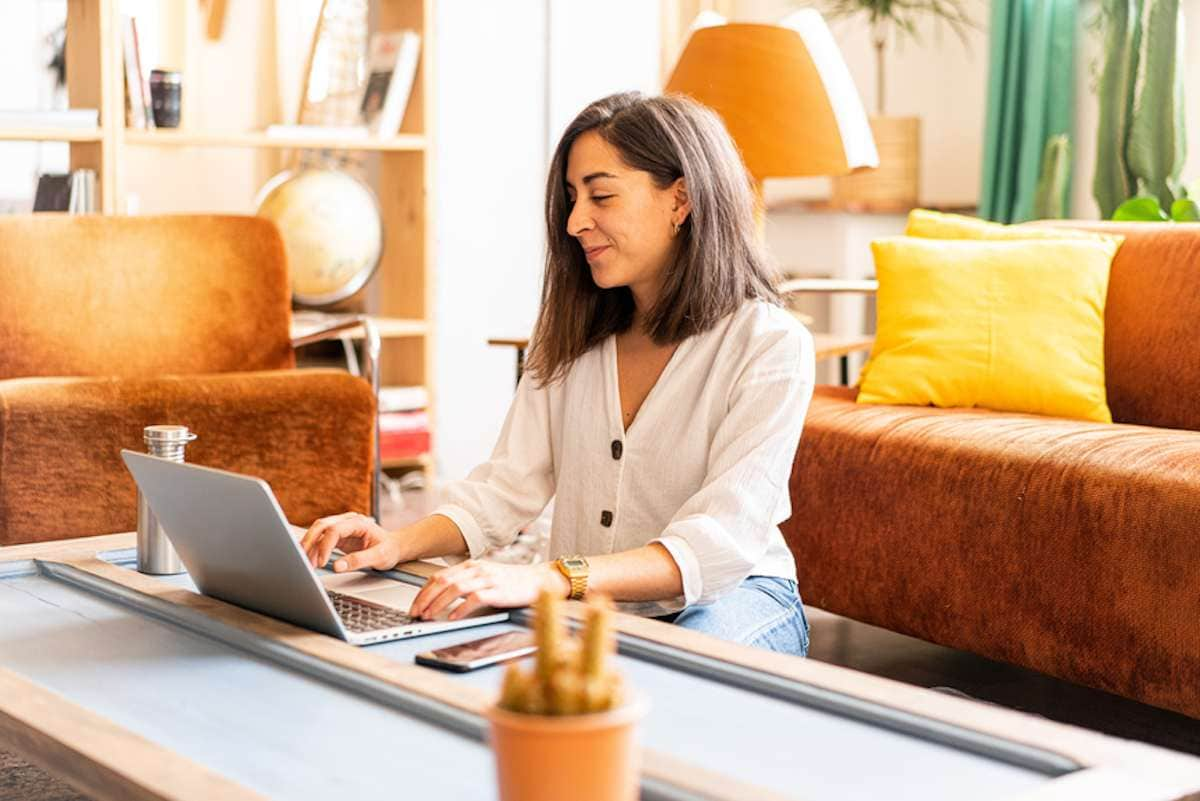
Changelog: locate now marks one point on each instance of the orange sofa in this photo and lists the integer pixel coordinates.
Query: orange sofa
(109, 324)
(1067, 547)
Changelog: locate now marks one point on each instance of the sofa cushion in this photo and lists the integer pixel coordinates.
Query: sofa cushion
(308, 433)
(1008, 325)
(1003, 534)
(939, 225)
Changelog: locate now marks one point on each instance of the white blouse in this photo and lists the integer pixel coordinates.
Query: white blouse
(703, 469)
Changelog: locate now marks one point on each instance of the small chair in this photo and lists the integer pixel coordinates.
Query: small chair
(109, 324)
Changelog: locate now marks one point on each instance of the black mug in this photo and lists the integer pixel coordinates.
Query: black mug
(166, 87)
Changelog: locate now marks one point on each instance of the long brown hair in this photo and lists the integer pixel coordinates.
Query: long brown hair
(719, 261)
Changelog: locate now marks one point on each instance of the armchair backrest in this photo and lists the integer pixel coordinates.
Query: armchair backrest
(134, 296)
(1152, 324)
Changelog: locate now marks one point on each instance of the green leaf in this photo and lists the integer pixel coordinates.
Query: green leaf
(1140, 209)
(1185, 211)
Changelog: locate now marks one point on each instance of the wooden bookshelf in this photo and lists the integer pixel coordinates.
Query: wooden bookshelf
(178, 138)
(422, 462)
(51, 134)
(401, 299)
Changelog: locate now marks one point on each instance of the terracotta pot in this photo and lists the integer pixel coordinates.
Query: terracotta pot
(893, 186)
(576, 757)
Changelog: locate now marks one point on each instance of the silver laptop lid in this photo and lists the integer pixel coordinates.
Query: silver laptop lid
(234, 540)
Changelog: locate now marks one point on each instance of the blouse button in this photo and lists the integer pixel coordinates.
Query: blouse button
(617, 448)
(606, 518)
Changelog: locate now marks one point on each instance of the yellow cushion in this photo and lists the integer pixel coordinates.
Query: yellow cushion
(938, 225)
(1006, 325)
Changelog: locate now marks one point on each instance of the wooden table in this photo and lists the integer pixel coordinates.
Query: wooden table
(828, 346)
(133, 687)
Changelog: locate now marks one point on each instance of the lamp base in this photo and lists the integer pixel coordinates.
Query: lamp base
(893, 186)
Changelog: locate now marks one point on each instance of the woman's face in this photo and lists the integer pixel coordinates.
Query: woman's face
(622, 220)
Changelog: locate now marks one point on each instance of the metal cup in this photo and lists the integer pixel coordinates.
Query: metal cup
(155, 554)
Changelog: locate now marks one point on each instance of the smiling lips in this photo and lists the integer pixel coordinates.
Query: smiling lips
(592, 253)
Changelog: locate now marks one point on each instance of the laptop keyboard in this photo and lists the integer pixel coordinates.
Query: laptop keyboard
(359, 615)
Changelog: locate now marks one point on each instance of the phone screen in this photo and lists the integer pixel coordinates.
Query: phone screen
(480, 653)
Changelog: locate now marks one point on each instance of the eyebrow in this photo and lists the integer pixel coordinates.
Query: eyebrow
(587, 179)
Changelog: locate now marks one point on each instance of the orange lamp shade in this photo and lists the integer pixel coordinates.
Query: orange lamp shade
(785, 94)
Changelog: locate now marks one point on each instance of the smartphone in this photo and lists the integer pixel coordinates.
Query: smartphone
(475, 654)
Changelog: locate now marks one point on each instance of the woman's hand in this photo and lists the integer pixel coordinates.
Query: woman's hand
(366, 543)
(481, 583)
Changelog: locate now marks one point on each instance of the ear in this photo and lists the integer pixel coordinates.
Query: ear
(682, 206)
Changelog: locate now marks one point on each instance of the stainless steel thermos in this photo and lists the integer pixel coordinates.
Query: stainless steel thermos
(155, 554)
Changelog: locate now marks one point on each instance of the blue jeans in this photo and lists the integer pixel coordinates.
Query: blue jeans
(763, 612)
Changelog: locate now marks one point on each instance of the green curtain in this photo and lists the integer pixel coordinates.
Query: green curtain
(1031, 98)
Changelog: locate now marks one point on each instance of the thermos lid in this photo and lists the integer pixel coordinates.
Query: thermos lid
(167, 435)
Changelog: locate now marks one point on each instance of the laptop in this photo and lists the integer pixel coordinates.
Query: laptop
(232, 536)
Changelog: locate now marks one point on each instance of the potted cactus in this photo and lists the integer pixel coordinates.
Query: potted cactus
(565, 729)
(1141, 144)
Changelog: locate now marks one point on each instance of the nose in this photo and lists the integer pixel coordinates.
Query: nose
(578, 221)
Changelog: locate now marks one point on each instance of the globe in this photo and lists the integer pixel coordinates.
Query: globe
(332, 231)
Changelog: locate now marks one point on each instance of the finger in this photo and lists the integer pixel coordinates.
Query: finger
(469, 605)
(435, 586)
(458, 589)
(350, 533)
(377, 556)
(313, 535)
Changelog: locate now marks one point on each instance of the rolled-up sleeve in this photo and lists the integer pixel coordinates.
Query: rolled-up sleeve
(722, 531)
(507, 492)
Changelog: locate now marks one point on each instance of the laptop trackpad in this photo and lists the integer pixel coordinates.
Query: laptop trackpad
(383, 590)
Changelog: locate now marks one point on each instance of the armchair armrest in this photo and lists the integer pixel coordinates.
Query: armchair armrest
(341, 328)
(794, 286)
(834, 345)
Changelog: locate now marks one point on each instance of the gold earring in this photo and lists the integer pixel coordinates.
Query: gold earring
(675, 226)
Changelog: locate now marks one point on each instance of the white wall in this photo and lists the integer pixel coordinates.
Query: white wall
(510, 76)
(28, 85)
(935, 78)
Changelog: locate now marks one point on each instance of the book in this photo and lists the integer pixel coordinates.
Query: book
(403, 434)
(61, 118)
(143, 77)
(135, 107)
(391, 69)
(402, 399)
(53, 192)
(73, 192)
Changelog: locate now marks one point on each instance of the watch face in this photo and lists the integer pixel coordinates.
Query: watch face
(575, 563)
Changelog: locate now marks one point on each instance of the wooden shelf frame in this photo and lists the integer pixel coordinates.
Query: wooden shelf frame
(178, 137)
(51, 134)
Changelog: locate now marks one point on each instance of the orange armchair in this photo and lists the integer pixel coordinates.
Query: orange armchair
(109, 324)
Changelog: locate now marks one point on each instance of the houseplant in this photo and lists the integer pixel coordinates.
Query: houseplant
(1141, 143)
(566, 728)
(894, 185)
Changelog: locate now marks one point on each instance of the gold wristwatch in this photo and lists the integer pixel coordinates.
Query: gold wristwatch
(575, 568)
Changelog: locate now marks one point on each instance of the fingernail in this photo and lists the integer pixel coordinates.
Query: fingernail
(339, 566)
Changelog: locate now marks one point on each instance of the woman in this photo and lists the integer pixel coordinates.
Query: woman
(663, 399)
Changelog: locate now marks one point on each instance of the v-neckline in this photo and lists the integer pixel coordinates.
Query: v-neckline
(614, 394)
